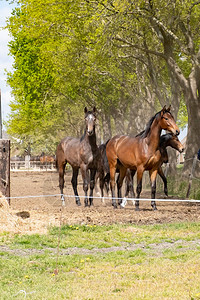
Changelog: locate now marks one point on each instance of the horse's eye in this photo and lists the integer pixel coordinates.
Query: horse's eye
(165, 118)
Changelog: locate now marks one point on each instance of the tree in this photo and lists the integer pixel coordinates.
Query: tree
(127, 58)
(168, 33)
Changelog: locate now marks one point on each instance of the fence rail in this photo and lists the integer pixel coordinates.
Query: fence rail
(31, 165)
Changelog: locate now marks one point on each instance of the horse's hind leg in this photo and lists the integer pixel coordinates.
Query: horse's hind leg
(164, 179)
(74, 185)
(153, 175)
(112, 185)
(129, 183)
(61, 181)
(60, 164)
(122, 174)
(101, 184)
(92, 184)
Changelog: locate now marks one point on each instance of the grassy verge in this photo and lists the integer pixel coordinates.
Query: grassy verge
(92, 236)
(145, 273)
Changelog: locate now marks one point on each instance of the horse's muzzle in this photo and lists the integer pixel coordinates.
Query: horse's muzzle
(90, 132)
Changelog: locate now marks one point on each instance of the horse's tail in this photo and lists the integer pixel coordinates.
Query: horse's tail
(56, 163)
(56, 159)
(59, 156)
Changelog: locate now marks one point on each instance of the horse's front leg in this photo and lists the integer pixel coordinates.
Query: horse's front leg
(164, 179)
(140, 172)
(74, 185)
(85, 177)
(112, 185)
(153, 174)
(92, 184)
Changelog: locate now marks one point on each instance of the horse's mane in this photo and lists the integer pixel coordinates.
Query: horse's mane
(145, 132)
(83, 136)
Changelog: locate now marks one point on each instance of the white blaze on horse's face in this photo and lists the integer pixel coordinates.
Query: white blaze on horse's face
(90, 123)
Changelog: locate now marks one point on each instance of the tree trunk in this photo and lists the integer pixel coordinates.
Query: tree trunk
(106, 128)
(118, 116)
(193, 136)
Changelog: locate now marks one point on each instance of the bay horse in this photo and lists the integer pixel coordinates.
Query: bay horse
(47, 159)
(81, 153)
(138, 153)
(166, 140)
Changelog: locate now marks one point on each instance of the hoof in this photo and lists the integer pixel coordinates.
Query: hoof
(154, 208)
(137, 208)
(121, 206)
(63, 200)
(114, 205)
(78, 203)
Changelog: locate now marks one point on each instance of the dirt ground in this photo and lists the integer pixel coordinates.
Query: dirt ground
(45, 210)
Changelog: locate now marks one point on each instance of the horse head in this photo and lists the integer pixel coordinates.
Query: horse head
(176, 144)
(90, 120)
(167, 121)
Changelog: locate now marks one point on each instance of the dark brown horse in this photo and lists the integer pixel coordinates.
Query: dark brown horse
(166, 140)
(139, 153)
(81, 153)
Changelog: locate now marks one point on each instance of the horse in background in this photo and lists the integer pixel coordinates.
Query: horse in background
(47, 159)
(138, 153)
(81, 153)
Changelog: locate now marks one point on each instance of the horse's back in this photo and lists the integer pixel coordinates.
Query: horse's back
(130, 151)
(68, 151)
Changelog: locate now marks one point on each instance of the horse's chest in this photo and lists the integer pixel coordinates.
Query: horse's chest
(153, 161)
(87, 156)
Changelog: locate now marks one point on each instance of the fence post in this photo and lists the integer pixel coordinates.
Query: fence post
(27, 162)
(5, 168)
(191, 176)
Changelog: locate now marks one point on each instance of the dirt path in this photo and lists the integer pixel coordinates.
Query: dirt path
(152, 249)
(45, 211)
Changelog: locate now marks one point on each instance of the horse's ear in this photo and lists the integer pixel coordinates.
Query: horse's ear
(169, 108)
(163, 110)
(85, 110)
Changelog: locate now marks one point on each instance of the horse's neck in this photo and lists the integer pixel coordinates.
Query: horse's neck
(164, 145)
(91, 140)
(153, 137)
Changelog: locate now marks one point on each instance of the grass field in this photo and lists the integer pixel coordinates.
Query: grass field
(102, 262)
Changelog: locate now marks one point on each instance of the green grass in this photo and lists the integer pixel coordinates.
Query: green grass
(92, 236)
(144, 273)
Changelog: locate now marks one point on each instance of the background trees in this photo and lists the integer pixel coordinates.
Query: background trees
(129, 58)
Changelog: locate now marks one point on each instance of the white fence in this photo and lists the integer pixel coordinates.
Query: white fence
(31, 165)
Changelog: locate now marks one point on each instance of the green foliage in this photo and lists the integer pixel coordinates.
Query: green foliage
(111, 54)
(182, 115)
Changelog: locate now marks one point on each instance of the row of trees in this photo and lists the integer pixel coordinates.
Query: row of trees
(129, 58)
